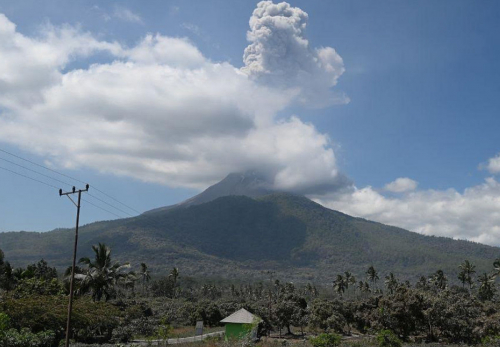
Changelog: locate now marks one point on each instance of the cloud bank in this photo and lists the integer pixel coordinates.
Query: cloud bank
(160, 111)
(473, 215)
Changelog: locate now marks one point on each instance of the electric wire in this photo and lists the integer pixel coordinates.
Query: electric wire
(104, 202)
(44, 167)
(52, 186)
(109, 196)
(67, 176)
(58, 180)
(99, 207)
(28, 177)
(39, 173)
(154, 222)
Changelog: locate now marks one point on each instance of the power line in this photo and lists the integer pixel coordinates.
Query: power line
(28, 177)
(104, 202)
(39, 173)
(109, 196)
(67, 176)
(99, 207)
(52, 186)
(154, 222)
(46, 168)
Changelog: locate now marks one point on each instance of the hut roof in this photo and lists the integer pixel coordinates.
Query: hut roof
(242, 316)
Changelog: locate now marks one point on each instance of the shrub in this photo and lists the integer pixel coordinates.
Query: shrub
(326, 340)
(122, 334)
(4, 322)
(387, 338)
(25, 337)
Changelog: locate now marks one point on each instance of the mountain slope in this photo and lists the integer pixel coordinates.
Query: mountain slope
(239, 236)
(250, 183)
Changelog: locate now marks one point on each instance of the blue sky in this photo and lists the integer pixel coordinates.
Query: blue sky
(421, 79)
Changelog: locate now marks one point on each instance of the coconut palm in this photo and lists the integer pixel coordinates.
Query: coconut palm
(101, 275)
(348, 279)
(145, 276)
(391, 282)
(372, 275)
(174, 275)
(466, 272)
(340, 285)
(496, 265)
(486, 287)
(361, 285)
(439, 279)
(366, 288)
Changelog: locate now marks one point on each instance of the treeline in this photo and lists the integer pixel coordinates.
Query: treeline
(115, 304)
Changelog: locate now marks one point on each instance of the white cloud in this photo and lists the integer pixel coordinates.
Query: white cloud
(158, 111)
(163, 50)
(401, 185)
(279, 55)
(473, 214)
(28, 65)
(493, 165)
(127, 15)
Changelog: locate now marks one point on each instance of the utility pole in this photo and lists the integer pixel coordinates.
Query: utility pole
(70, 304)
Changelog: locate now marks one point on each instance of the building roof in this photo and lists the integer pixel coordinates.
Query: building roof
(242, 316)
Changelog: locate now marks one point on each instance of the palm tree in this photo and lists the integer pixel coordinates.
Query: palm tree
(466, 272)
(145, 276)
(366, 288)
(339, 285)
(361, 285)
(439, 279)
(101, 276)
(372, 275)
(391, 282)
(348, 279)
(496, 265)
(486, 287)
(174, 275)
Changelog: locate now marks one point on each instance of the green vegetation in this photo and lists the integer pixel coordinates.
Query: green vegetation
(120, 306)
(101, 276)
(325, 340)
(387, 338)
(237, 236)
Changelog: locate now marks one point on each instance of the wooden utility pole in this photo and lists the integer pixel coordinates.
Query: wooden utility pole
(70, 304)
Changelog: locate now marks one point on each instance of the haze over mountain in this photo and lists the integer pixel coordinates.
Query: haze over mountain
(238, 228)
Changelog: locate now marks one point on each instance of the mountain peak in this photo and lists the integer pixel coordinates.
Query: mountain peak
(250, 183)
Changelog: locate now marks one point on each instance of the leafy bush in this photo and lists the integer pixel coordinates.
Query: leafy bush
(326, 340)
(4, 322)
(122, 334)
(41, 312)
(164, 330)
(387, 338)
(145, 326)
(24, 338)
(37, 286)
(491, 341)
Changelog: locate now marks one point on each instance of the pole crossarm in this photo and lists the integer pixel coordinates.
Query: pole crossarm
(74, 191)
(70, 303)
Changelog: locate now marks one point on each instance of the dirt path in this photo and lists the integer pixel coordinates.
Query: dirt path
(178, 340)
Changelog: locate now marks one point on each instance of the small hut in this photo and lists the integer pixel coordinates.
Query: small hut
(240, 324)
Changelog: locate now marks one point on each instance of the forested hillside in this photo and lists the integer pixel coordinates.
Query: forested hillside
(236, 236)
